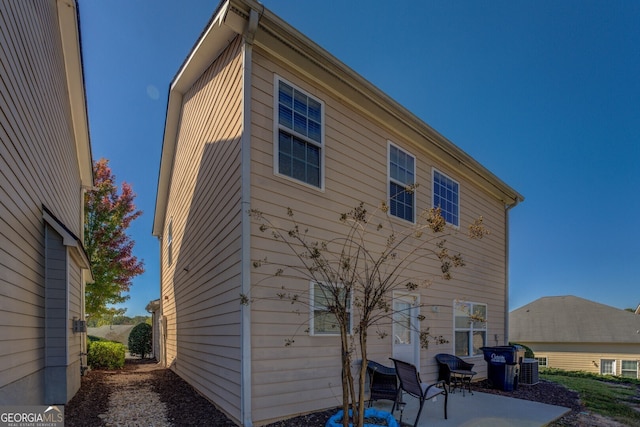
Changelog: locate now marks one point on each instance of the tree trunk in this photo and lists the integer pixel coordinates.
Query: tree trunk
(362, 374)
(347, 379)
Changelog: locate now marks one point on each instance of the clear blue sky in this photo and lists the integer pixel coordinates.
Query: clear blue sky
(545, 94)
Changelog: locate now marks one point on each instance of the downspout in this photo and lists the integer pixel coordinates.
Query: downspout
(507, 208)
(245, 203)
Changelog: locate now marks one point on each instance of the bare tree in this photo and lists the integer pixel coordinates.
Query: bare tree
(361, 269)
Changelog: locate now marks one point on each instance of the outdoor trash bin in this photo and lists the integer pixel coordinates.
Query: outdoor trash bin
(503, 365)
(510, 353)
(503, 376)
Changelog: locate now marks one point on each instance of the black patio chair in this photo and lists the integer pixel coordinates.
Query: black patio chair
(383, 383)
(411, 384)
(454, 370)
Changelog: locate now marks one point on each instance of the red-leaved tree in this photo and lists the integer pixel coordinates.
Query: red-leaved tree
(108, 214)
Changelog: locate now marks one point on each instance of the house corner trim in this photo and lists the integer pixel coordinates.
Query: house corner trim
(247, 50)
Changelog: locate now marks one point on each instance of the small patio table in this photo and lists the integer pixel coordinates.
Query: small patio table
(461, 378)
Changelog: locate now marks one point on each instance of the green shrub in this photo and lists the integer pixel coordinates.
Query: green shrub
(93, 338)
(105, 354)
(528, 353)
(589, 375)
(140, 340)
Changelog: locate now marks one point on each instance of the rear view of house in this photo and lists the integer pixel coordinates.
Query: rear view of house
(259, 116)
(46, 167)
(575, 334)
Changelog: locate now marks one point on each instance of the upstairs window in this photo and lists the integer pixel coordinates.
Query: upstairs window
(446, 196)
(299, 135)
(402, 178)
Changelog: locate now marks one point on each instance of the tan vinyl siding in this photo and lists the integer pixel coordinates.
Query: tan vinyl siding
(355, 164)
(75, 339)
(201, 286)
(584, 357)
(39, 167)
(75, 310)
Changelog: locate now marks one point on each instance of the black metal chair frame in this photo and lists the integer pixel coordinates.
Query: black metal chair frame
(455, 371)
(383, 382)
(411, 384)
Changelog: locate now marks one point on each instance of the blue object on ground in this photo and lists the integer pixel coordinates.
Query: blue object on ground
(336, 420)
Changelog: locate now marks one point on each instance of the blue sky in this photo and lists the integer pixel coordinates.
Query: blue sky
(544, 94)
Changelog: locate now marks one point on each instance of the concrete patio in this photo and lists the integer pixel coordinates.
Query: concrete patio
(478, 410)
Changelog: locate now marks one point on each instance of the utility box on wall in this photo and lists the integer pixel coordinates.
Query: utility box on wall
(79, 325)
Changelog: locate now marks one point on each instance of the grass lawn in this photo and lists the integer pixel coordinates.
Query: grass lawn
(613, 397)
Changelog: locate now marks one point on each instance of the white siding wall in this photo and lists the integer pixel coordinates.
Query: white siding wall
(39, 166)
(200, 288)
(306, 376)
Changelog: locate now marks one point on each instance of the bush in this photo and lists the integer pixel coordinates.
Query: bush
(105, 354)
(140, 340)
(589, 375)
(93, 338)
(528, 353)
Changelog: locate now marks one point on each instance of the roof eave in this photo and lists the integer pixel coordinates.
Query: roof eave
(220, 31)
(70, 37)
(281, 39)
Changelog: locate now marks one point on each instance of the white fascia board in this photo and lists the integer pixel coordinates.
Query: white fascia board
(70, 37)
(69, 240)
(221, 31)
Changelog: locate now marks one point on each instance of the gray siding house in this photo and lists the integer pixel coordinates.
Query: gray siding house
(45, 164)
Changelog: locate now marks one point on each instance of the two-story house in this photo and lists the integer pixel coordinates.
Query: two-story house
(261, 117)
(46, 166)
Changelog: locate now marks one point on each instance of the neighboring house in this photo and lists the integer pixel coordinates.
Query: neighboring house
(45, 168)
(576, 334)
(259, 116)
(117, 333)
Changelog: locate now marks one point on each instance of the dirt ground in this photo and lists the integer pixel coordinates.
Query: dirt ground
(186, 407)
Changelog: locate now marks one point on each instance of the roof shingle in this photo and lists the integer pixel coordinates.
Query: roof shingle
(572, 319)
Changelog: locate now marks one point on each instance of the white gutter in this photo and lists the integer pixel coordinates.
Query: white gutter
(506, 268)
(245, 153)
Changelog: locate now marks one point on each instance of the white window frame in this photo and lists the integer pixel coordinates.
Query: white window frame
(543, 361)
(277, 127)
(471, 329)
(391, 180)
(613, 366)
(433, 197)
(623, 370)
(313, 308)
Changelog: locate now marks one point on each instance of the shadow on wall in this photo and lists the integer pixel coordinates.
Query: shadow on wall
(207, 277)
